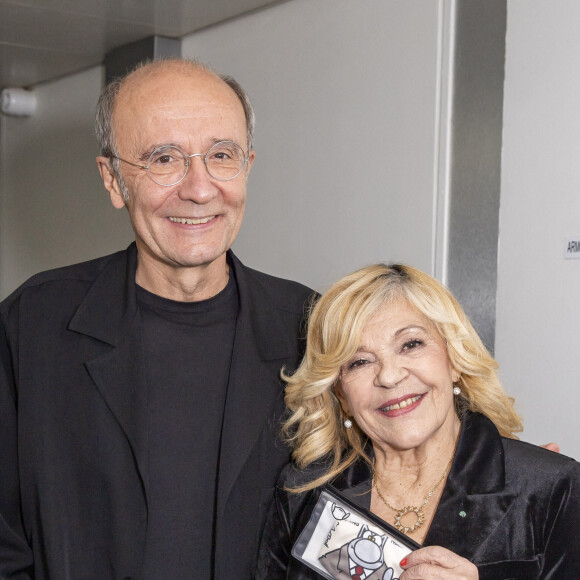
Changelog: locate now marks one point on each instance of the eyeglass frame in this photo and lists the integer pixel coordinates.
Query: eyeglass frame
(187, 158)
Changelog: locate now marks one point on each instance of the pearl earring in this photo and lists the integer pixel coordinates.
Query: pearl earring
(348, 423)
(456, 390)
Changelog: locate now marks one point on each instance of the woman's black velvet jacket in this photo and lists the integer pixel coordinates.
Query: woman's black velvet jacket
(511, 508)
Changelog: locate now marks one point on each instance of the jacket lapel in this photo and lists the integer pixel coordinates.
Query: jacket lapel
(109, 315)
(474, 500)
(261, 347)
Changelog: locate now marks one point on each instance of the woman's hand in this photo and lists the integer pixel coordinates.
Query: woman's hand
(434, 563)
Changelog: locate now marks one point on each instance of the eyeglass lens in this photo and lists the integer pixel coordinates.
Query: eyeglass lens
(168, 164)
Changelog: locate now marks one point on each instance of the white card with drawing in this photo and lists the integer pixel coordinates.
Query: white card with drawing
(344, 542)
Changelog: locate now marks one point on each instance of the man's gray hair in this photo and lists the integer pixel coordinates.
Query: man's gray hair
(246, 104)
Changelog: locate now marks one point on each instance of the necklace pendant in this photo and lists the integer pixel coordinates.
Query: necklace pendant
(409, 509)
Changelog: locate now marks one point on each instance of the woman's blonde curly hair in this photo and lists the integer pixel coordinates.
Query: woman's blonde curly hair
(315, 425)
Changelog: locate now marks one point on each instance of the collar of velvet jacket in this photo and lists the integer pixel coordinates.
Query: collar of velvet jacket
(473, 500)
(478, 466)
(479, 451)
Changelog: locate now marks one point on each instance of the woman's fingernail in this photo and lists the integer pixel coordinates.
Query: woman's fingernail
(403, 562)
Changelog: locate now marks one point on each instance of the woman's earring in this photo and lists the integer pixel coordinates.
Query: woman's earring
(348, 423)
(456, 390)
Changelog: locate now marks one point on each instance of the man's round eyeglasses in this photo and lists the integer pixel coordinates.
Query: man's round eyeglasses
(168, 164)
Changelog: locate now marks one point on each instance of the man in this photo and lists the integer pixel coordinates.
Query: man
(140, 392)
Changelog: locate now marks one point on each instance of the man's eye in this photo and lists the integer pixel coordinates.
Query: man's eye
(164, 159)
(221, 155)
(166, 156)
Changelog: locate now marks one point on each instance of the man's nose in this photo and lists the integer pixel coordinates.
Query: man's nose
(197, 185)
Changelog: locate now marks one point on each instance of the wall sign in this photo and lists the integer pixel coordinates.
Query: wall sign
(572, 248)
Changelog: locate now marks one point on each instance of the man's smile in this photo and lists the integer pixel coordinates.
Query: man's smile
(191, 221)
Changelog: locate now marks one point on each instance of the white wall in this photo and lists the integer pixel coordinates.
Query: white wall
(347, 170)
(347, 99)
(538, 311)
(54, 209)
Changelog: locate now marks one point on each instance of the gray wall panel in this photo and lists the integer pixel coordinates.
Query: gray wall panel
(476, 159)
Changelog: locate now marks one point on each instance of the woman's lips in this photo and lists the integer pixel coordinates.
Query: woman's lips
(402, 405)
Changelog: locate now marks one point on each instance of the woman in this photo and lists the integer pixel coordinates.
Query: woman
(397, 404)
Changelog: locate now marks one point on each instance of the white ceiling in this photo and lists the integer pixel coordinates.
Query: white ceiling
(45, 39)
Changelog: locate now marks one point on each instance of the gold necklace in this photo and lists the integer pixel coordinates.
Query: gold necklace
(400, 512)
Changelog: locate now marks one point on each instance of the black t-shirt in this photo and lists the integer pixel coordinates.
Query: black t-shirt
(188, 348)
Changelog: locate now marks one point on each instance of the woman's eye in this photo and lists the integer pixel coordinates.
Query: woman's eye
(357, 363)
(412, 344)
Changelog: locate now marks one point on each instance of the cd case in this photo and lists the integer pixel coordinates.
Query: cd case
(344, 542)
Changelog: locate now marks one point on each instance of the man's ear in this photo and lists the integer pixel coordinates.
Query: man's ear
(251, 157)
(110, 182)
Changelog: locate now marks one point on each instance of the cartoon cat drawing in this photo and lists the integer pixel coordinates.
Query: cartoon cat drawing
(360, 559)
